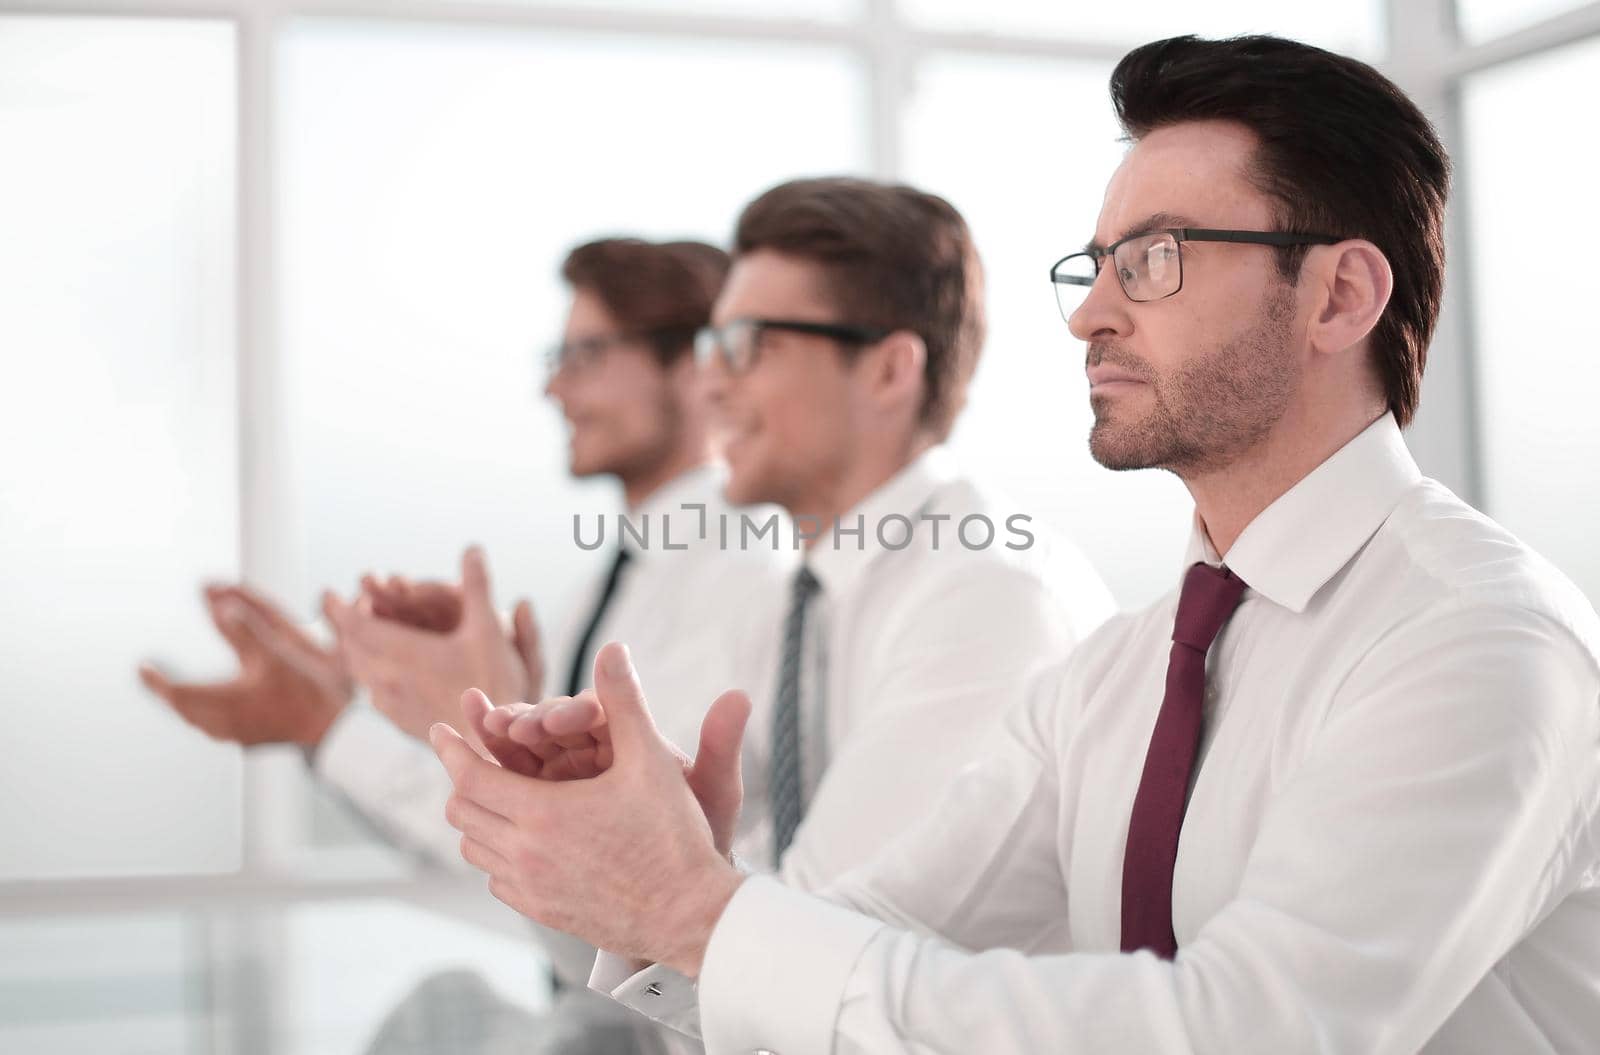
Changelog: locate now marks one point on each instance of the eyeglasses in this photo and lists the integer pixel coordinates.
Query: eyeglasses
(1150, 265)
(736, 343)
(586, 352)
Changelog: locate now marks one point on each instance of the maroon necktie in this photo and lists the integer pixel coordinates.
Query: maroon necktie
(1209, 597)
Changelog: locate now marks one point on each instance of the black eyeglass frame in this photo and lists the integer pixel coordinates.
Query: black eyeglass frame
(1279, 239)
(664, 339)
(710, 340)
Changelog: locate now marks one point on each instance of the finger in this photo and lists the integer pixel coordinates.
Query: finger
(526, 728)
(477, 709)
(154, 680)
(189, 695)
(715, 777)
(616, 683)
(226, 612)
(209, 708)
(334, 610)
(483, 858)
(531, 730)
(367, 637)
(434, 606)
(528, 732)
(475, 706)
(476, 594)
(471, 819)
(426, 606)
(360, 660)
(478, 779)
(580, 714)
(268, 612)
(578, 763)
(498, 721)
(525, 637)
(386, 601)
(268, 640)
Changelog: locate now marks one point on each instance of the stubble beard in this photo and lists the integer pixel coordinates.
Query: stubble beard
(1210, 410)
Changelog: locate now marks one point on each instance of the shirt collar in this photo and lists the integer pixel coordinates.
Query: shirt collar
(668, 520)
(1294, 546)
(838, 560)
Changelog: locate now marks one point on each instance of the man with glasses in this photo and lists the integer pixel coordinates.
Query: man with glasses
(845, 339)
(1338, 792)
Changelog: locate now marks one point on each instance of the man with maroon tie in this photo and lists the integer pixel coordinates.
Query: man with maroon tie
(1338, 792)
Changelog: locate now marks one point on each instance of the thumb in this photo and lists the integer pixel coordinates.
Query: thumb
(715, 777)
(525, 636)
(156, 680)
(266, 638)
(476, 596)
(475, 706)
(248, 633)
(228, 616)
(616, 683)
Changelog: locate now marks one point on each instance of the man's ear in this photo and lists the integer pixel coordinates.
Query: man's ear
(895, 370)
(1353, 283)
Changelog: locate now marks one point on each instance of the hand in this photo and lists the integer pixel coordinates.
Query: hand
(416, 676)
(289, 689)
(563, 738)
(625, 860)
(432, 606)
(568, 738)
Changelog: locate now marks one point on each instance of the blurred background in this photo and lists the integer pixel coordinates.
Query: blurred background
(273, 281)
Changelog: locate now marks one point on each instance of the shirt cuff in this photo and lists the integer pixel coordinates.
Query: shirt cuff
(776, 968)
(658, 993)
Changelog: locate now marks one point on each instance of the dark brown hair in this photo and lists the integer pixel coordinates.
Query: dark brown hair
(1341, 150)
(894, 258)
(660, 289)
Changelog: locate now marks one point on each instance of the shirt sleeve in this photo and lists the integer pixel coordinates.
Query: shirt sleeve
(1446, 805)
(393, 781)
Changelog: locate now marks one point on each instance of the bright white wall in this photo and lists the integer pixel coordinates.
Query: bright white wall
(118, 438)
(1529, 172)
(432, 181)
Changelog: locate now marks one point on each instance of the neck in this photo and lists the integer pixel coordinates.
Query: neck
(850, 488)
(637, 487)
(1229, 498)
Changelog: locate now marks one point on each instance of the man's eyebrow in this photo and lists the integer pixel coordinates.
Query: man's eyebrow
(1156, 221)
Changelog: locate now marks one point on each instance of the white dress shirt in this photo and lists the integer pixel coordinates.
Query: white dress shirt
(683, 613)
(1391, 845)
(909, 654)
(920, 651)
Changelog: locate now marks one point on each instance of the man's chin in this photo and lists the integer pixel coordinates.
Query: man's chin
(583, 465)
(740, 492)
(746, 487)
(1121, 448)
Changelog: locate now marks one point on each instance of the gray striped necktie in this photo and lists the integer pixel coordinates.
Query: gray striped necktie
(785, 790)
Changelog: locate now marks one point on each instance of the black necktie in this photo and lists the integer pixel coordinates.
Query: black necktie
(580, 654)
